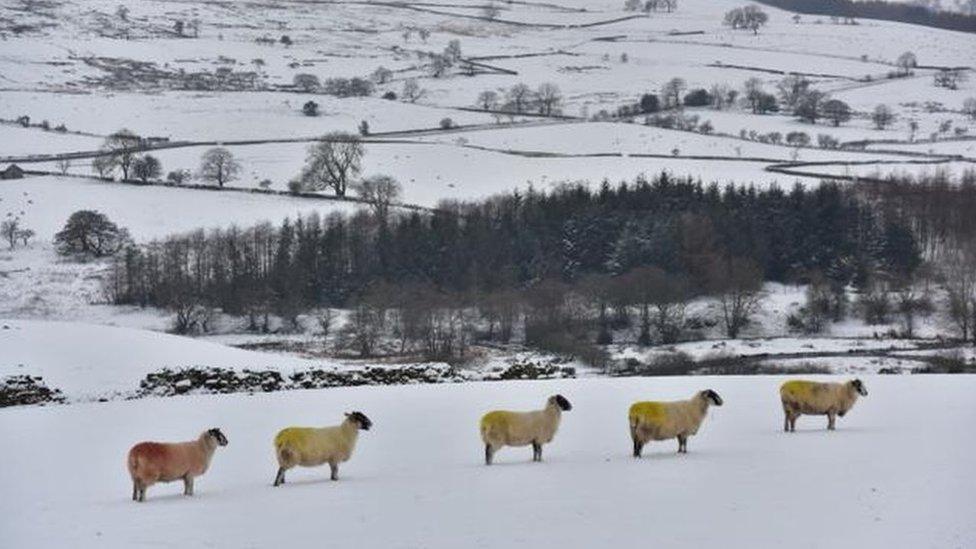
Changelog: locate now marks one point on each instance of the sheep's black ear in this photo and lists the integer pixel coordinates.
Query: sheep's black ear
(713, 396)
(364, 422)
(563, 403)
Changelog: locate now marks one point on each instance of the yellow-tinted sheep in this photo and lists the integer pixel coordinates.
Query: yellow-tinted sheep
(311, 447)
(503, 428)
(813, 398)
(663, 420)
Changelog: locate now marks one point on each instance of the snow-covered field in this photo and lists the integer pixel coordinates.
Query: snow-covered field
(894, 474)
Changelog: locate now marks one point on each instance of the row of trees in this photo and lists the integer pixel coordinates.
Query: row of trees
(906, 12)
(520, 98)
(702, 240)
(124, 152)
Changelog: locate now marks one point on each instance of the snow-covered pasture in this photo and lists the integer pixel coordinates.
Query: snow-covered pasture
(196, 116)
(897, 472)
(87, 361)
(44, 203)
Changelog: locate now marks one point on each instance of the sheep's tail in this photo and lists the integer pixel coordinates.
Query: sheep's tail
(283, 448)
(132, 461)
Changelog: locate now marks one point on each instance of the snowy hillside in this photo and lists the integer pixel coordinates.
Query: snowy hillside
(894, 474)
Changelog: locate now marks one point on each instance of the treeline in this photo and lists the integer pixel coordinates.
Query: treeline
(524, 259)
(888, 11)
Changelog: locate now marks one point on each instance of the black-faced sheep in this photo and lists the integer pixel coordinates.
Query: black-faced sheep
(311, 446)
(503, 428)
(663, 420)
(152, 462)
(813, 398)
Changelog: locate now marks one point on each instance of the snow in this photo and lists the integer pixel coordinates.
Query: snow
(44, 203)
(87, 361)
(896, 473)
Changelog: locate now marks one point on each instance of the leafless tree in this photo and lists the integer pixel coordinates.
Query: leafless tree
(333, 162)
(121, 148)
(488, 100)
(219, 166)
(960, 280)
(736, 284)
(520, 95)
(906, 62)
(549, 98)
(380, 192)
(412, 91)
(882, 116)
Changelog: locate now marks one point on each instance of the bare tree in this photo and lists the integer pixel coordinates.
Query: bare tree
(488, 100)
(333, 162)
(146, 167)
(380, 192)
(549, 98)
(63, 164)
(103, 165)
(519, 95)
(453, 50)
(121, 147)
(960, 281)
(969, 107)
(906, 62)
(9, 230)
(791, 88)
(382, 75)
(219, 166)
(412, 91)
(882, 116)
(736, 284)
(672, 90)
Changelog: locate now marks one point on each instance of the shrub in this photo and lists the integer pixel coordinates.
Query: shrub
(698, 98)
(649, 103)
(310, 108)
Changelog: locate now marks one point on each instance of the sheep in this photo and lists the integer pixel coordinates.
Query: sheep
(503, 428)
(152, 462)
(813, 398)
(663, 420)
(311, 447)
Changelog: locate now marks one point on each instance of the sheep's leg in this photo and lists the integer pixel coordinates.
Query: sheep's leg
(682, 444)
(638, 447)
(135, 491)
(793, 418)
(831, 419)
(786, 422)
(489, 454)
(280, 477)
(536, 451)
(187, 485)
(142, 492)
(334, 467)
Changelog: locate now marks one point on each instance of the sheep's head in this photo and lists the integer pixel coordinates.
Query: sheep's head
(217, 436)
(858, 386)
(560, 400)
(711, 395)
(360, 419)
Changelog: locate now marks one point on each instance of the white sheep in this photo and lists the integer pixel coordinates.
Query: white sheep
(311, 447)
(152, 462)
(503, 428)
(663, 420)
(813, 398)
